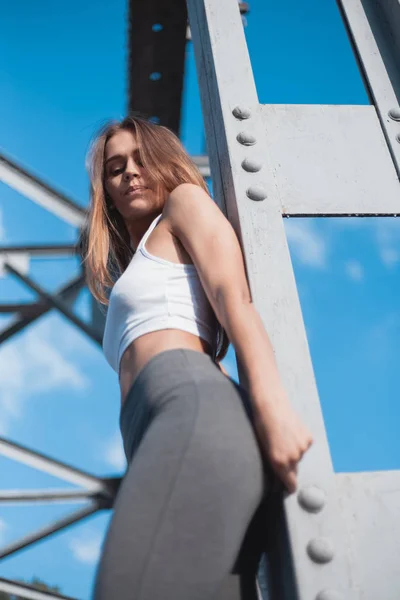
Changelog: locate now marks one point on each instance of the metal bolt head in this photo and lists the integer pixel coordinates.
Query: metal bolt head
(256, 192)
(251, 166)
(394, 113)
(241, 112)
(320, 550)
(246, 138)
(312, 498)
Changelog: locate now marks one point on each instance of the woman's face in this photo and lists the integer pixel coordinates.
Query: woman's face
(129, 186)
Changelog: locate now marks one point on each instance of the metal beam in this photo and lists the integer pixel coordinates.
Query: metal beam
(244, 9)
(88, 329)
(24, 309)
(37, 190)
(54, 467)
(305, 161)
(203, 164)
(48, 530)
(29, 315)
(156, 55)
(48, 250)
(44, 496)
(22, 590)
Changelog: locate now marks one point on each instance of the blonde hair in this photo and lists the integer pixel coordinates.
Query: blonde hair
(104, 243)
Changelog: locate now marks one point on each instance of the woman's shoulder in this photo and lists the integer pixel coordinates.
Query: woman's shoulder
(187, 203)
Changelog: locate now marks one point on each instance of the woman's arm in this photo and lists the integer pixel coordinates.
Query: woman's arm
(214, 248)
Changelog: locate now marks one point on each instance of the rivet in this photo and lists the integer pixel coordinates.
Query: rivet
(398, 137)
(394, 113)
(256, 192)
(250, 165)
(329, 595)
(245, 138)
(320, 550)
(241, 112)
(312, 498)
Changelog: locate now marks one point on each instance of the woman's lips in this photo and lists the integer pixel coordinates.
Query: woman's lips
(130, 191)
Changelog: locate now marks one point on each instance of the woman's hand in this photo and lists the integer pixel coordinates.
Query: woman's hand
(284, 439)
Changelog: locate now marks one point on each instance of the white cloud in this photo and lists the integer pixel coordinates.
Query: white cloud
(307, 243)
(44, 358)
(381, 337)
(389, 256)
(86, 548)
(387, 233)
(384, 230)
(114, 453)
(354, 270)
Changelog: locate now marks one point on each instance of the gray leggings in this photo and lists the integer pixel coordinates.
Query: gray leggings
(185, 521)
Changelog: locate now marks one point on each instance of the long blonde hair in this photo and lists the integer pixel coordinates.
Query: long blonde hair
(104, 243)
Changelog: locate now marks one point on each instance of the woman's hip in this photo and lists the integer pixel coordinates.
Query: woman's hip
(174, 383)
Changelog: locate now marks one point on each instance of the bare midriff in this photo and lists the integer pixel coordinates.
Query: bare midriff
(141, 350)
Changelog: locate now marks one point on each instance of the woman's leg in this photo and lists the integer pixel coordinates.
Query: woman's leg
(187, 500)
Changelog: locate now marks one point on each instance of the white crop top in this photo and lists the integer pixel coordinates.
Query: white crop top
(154, 294)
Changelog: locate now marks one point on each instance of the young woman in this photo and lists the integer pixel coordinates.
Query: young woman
(199, 446)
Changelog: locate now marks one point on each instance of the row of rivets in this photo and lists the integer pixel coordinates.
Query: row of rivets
(254, 192)
(320, 550)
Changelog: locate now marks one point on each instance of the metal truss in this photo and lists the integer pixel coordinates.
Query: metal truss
(96, 493)
(155, 74)
(33, 188)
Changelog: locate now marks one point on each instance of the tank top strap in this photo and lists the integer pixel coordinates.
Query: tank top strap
(148, 232)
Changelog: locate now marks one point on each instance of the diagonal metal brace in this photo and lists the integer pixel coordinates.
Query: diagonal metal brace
(56, 303)
(22, 590)
(53, 527)
(36, 310)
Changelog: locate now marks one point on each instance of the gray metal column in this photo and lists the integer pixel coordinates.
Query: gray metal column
(285, 160)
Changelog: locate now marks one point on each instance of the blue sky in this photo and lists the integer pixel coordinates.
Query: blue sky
(62, 74)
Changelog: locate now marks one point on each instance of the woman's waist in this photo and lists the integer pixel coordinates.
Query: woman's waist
(165, 376)
(147, 347)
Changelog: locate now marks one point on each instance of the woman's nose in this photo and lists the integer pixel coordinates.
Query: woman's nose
(131, 170)
(130, 173)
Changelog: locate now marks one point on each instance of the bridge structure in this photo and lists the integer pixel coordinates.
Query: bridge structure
(336, 538)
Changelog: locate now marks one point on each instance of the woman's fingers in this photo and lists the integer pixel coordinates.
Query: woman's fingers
(289, 479)
(286, 475)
